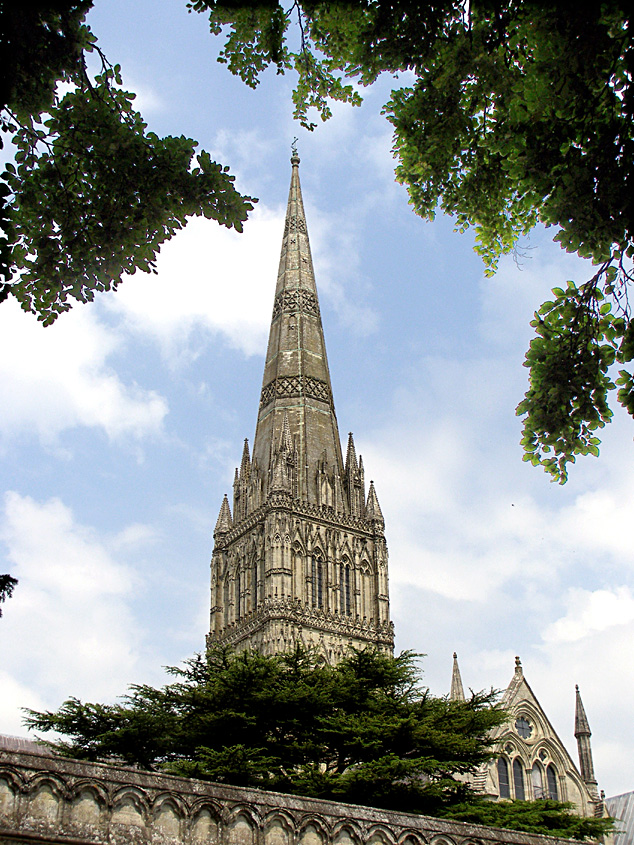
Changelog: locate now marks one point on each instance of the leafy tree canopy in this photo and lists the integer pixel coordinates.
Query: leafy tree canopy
(7, 585)
(514, 112)
(91, 194)
(364, 732)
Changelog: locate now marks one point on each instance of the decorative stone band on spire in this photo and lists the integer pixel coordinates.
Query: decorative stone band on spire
(292, 301)
(292, 386)
(294, 224)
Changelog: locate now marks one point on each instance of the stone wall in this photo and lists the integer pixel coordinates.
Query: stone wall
(51, 800)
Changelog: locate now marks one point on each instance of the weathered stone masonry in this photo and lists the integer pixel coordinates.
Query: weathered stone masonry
(51, 800)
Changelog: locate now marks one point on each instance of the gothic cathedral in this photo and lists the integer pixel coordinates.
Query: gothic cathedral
(302, 557)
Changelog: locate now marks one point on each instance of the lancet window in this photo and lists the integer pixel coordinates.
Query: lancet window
(537, 778)
(238, 596)
(551, 779)
(503, 778)
(345, 588)
(518, 780)
(318, 581)
(254, 583)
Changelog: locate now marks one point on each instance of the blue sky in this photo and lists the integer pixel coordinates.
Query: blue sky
(123, 422)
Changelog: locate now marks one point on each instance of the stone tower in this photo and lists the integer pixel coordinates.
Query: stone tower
(303, 558)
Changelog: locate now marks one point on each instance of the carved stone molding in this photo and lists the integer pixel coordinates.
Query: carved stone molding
(321, 515)
(53, 800)
(295, 613)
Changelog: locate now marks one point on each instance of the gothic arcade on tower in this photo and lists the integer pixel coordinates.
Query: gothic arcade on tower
(302, 558)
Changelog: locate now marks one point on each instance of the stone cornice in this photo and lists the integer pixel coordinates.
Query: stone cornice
(44, 795)
(325, 516)
(294, 612)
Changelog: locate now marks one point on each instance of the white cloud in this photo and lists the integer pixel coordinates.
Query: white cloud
(57, 377)
(16, 696)
(591, 611)
(209, 278)
(334, 243)
(213, 279)
(147, 100)
(68, 628)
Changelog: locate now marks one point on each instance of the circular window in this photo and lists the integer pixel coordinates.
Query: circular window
(523, 727)
(542, 755)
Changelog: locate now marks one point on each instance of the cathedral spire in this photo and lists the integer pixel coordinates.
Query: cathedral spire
(296, 390)
(582, 735)
(304, 559)
(457, 690)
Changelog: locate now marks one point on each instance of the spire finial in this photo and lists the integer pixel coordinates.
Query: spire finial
(294, 156)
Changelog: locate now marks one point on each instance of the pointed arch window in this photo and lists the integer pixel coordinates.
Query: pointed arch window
(503, 778)
(318, 581)
(518, 780)
(238, 597)
(551, 780)
(345, 588)
(254, 583)
(537, 779)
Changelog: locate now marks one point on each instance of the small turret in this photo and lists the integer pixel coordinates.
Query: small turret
(373, 509)
(283, 462)
(224, 522)
(457, 690)
(351, 456)
(245, 463)
(354, 482)
(582, 735)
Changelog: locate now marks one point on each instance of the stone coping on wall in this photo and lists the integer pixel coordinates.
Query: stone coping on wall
(52, 800)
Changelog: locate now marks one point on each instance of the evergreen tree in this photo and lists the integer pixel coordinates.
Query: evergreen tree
(365, 732)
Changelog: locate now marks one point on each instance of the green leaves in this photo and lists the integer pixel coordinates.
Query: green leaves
(7, 586)
(363, 731)
(578, 339)
(517, 114)
(554, 818)
(92, 195)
